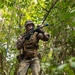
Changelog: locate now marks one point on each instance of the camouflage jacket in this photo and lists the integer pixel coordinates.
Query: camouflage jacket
(30, 46)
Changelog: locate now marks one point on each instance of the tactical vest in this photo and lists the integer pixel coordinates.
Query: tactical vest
(31, 46)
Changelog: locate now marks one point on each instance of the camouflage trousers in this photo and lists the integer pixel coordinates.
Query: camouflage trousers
(25, 64)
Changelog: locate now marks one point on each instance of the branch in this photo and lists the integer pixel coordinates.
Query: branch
(46, 15)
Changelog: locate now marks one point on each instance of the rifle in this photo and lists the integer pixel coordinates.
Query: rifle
(31, 31)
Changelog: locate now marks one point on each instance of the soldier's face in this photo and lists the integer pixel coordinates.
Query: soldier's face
(30, 26)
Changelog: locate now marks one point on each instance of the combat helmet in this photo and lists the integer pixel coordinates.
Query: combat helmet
(29, 22)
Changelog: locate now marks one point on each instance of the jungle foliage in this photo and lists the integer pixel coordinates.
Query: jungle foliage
(58, 54)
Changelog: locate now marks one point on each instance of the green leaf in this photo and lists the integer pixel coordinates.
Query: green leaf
(62, 67)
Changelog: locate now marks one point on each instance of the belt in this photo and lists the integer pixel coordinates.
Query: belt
(32, 59)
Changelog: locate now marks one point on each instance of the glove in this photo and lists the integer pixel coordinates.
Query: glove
(20, 57)
(39, 30)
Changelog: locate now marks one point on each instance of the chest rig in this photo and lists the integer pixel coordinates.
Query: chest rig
(31, 46)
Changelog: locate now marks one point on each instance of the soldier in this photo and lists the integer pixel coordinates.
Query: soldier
(29, 47)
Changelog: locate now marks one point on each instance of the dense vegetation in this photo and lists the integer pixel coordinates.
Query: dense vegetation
(58, 54)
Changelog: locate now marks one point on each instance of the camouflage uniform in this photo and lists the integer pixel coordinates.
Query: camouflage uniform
(30, 51)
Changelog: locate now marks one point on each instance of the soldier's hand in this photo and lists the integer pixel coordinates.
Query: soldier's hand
(39, 31)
